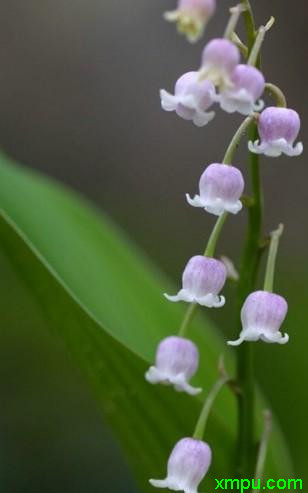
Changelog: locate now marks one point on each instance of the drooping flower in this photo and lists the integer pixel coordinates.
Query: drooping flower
(247, 86)
(220, 189)
(187, 465)
(203, 278)
(191, 99)
(262, 315)
(219, 58)
(191, 17)
(177, 360)
(278, 129)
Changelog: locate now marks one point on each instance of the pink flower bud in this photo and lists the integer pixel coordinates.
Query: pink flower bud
(220, 189)
(177, 360)
(219, 59)
(191, 17)
(191, 99)
(247, 86)
(278, 129)
(203, 279)
(187, 465)
(262, 315)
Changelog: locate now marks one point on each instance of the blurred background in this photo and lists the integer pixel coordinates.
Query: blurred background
(79, 101)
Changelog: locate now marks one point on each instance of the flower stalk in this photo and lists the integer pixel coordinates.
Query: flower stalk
(271, 260)
(277, 93)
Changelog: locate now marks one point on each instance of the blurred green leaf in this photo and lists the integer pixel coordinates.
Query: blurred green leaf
(104, 299)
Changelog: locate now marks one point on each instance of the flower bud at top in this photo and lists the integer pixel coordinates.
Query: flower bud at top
(247, 86)
(203, 278)
(191, 99)
(177, 360)
(262, 315)
(191, 17)
(220, 187)
(278, 129)
(187, 465)
(219, 59)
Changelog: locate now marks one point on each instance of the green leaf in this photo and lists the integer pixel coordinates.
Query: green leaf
(103, 298)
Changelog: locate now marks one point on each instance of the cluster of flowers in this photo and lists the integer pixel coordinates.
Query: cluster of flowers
(237, 88)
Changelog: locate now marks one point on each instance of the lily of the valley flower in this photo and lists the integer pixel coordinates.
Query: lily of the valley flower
(219, 58)
(247, 86)
(191, 99)
(187, 465)
(191, 17)
(262, 315)
(203, 278)
(177, 360)
(278, 129)
(220, 188)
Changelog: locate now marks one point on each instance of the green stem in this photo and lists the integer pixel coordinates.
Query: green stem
(248, 273)
(245, 365)
(271, 260)
(237, 138)
(263, 447)
(187, 319)
(212, 242)
(233, 20)
(208, 404)
(277, 93)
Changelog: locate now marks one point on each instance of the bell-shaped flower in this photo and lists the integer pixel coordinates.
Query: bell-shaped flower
(191, 17)
(203, 278)
(219, 58)
(278, 129)
(187, 465)
(177, 360)
(262, 315)
(191, 99)
(220, 189)
(247, 86)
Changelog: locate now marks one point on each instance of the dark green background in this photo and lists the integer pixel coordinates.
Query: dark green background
(79, 101)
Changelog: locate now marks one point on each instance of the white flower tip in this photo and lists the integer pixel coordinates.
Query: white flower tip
(172, 297)
(298, 149)
(158, 483)
(202, 118)
(151, 375)
(195, 202)
(284, 339)
(259, 105)
(254, 146)
(168, 101)
(235, 343)
(171, 15)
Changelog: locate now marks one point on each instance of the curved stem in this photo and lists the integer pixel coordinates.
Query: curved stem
(211, 244)
(271, 260)
(187, 319)
(207, 406)
(277, 93)
(237, 138)
(239, 43)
